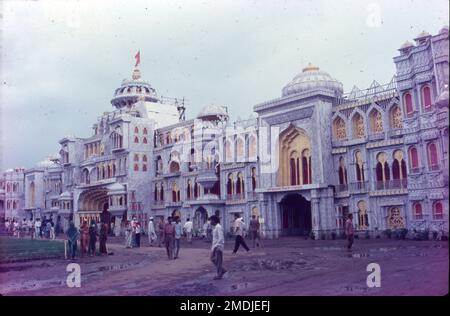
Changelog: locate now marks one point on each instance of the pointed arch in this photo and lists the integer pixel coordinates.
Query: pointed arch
(358, 129)
(339, 128)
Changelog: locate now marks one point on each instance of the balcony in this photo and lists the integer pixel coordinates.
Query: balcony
(235, 197)
(391, 184)
(341, 188)
(252, 195)
(376, 136)
(359, 187)
(398, 132)
(434, 167)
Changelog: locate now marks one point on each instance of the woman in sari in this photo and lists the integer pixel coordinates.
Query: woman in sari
(103, 237)
(72, 237)
(84, 231)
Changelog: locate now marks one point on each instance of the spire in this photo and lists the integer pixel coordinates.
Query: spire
(136, 72)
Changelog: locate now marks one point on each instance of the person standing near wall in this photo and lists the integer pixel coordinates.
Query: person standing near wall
(349, 231)
(217, 247)
(239, 232)
(169, 236)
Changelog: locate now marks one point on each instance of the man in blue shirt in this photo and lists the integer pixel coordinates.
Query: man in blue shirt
(178, 232)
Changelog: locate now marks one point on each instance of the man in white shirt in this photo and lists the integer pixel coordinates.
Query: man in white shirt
(218, 243)
(151, 231)
(37, 225)
(239, 232)
(188, 229)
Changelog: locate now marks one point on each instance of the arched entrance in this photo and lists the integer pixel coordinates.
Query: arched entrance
(200, 218)
(295, 215)
(93, 205)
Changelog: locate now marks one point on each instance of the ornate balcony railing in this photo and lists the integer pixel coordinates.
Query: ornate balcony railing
(376, 136)
(434, 167)
(391, 184)
(235, 197)
(341, 188)
(359, 186)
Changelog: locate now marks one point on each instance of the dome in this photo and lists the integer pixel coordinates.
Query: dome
(65, 195)
(213, 112)
(116, 188)
(45, 164)
(132, 91)
(406, 45)
(423, 34)
(312, 78)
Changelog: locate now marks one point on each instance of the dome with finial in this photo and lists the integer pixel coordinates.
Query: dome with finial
(444, 30)
(406, 44)
(213, 112)
(423, 34)
(310, 79)
(132, 91)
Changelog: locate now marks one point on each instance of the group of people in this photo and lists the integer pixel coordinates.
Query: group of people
(133, 233)
(33, 228)
(88, 238)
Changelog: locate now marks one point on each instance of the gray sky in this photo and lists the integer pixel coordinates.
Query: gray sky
(62, 60)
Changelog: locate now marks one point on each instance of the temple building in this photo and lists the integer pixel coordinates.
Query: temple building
(301, 162)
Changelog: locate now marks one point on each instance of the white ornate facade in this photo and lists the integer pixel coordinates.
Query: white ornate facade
(306, 160)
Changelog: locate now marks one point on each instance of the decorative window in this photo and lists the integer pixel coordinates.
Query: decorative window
(413, 159)
(144, 140)
(136, 130)
(144, 167)
(252, 148)
(398, 166)
(144, 158)
(240, 148)
(230, 186)
(136, 140)
(417, 211)
(228, 151)
(382, 171)
(363, 217)
(145, 132)
(136, 157)
(253, 179)
(426, 98)
(408, 104)
(189, 190)
(438, 212)
(240, 184)
(433, 162)
(376, 122)
(306, 166)
(358, 126)
(136, 167)
(342, 171)
(395, 219)
(340, 132)
(174, 167)
(359, 163)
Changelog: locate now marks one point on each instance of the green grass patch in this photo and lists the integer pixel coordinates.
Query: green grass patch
(21, 249)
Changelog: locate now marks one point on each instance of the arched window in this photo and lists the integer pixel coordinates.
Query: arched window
(306, 165)
(196, 190)
(175, 192)
(342, 171)
(417, 211)
(191, 163)
(136, 157)
(363, 217)
(382, 171)
(252, 149)
(144, 140)
(136, 167)
(136, 130)
(395, 218)
(189, 189)
(161, 193)
(358, 126)
(413, 159)
(159, 165)
(155, 196)
(240, 184)
(398, 166)
(144, 167)
(426, 98)
(253, 179)
(339, 129)
(438, 212)
(86, 176)
(145, 132)
(433, 162)
(408, 104)
(174, 167)
(144, 158)
(228, 151)
(240, 149)
(136, 139)
(295, 168)
(230, 184)
(376, 122)
(32, 194)
(359, 165)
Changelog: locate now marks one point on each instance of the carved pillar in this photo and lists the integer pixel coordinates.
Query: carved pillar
(315, 212)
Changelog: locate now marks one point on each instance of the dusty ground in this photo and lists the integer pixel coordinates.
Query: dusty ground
(288, 266)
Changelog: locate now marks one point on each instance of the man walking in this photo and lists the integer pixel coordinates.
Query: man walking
(349, 231)
(239, 232)
(151, 232)
(188, 230)
(217, 247)
(254, 227)
(160, 229)
(178, 231)
(169, 236)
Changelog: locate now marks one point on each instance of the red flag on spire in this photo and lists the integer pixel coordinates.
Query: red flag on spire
(138, 58)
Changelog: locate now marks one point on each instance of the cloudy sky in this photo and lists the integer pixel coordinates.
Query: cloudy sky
(62, 60)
